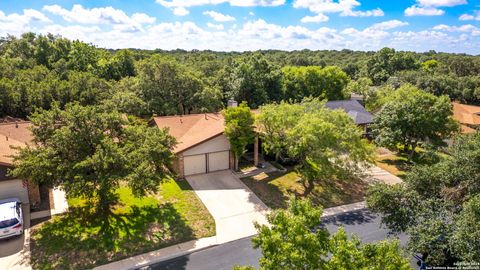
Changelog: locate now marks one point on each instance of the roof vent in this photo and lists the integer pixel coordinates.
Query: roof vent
(232, 103)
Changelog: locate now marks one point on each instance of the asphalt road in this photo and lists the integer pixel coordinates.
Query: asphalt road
(240, 252)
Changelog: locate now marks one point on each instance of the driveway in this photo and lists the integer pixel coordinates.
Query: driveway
(15, 252)
(232, 204)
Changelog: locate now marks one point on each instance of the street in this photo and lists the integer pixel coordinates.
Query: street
(223, 257)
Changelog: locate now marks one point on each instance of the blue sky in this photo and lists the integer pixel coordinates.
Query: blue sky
(240, 25)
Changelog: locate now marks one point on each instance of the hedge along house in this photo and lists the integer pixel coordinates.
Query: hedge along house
(202, 147)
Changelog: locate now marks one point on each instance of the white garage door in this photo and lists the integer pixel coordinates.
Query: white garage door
(13, 189)
(218, 161)
(194, 164)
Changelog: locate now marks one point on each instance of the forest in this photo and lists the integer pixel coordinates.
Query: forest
(38, 71)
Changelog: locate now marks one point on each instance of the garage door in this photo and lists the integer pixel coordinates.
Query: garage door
(13, 189)
(194, 164)
(218, 161)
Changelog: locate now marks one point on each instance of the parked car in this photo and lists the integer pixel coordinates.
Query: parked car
(11, 218)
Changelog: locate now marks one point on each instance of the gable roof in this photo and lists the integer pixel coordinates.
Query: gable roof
(467, 115)
(192, 129)
(13, 134)
(353, 108)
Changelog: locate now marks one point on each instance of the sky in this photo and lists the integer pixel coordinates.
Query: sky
(245, 25)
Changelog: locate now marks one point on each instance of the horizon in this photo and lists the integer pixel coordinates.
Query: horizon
(450, 26)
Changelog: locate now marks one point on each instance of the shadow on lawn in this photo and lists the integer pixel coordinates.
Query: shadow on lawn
(80, 239)
(324, 193)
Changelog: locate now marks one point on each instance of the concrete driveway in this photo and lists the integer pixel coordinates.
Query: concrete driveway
(231, 203)
(15, 252)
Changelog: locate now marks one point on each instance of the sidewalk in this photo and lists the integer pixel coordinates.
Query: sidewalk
(377, 174)
(160, 255)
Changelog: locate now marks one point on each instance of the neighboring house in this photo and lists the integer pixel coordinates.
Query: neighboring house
(468, 116)
(15, 134)
(355, 110)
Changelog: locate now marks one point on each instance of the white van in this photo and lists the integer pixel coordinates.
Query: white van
(11, 218)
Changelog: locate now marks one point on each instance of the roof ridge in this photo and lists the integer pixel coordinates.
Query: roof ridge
(189, 115)
(14, 122)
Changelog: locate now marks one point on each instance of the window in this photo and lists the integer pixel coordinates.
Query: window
(8, 223)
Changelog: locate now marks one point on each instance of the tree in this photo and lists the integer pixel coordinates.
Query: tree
(88, 152)
(363, 87)
(252, 79)
(410, 117)
(313, 81)
(325, 144)
(296, 240)
(275, 122)
(82, 56)
(437, 205)
(239, 129)
(386, 62)
(167, 87)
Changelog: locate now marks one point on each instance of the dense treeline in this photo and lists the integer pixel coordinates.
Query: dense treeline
(38, 70)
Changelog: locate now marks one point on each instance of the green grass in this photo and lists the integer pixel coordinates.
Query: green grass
(274, 189)
(398, 164)
(79, 239)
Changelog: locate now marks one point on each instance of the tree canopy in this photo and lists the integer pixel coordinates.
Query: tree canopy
(325, 143)
(88, 152)
(296, 240)
(411, 117)
(239, 129)
(437, 205)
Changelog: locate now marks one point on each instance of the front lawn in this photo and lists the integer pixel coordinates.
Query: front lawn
(275, 188)
(398, 164)
(80, 240)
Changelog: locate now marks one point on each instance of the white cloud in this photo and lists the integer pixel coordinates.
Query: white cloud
(423, 11)
(441, 3)
(344, 7)
(469, 17)
(238, 3)
(387, 25)
(430, 7)
(180, 11)
(218, 17)
(15, 23)
(466, 28)
(176, 4)
(466, 17)
(143, 18)
(315, 19)
(215, 26)
(102, 15)
(251, 13)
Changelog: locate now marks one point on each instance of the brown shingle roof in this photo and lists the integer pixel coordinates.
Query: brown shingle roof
(13, 134)
(467, 115)
(192, 129)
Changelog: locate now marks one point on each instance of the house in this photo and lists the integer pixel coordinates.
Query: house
(355, 110)
(201, 145)
(15, 134)
(468, 116)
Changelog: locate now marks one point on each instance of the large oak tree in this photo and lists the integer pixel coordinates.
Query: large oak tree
(89, 152)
